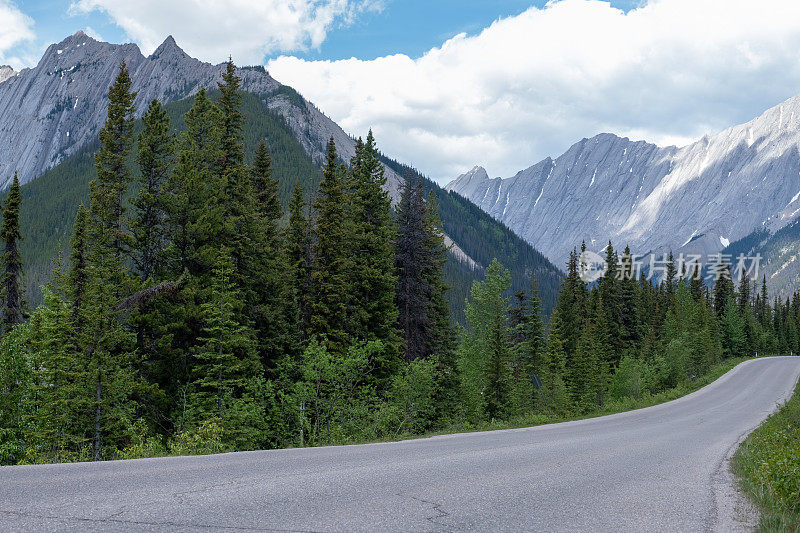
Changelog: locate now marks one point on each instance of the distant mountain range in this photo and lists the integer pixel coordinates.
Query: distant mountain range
(743, 183)
(50, 116)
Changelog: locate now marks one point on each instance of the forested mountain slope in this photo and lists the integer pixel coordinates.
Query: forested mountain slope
(50, 115)
(51, 201)
(482, 238)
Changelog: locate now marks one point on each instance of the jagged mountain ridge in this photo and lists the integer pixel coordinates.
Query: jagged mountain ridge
(49, 112)
(695, 199)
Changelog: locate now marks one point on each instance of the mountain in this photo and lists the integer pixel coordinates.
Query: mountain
(51, 111)
(695, 199)
(6, 72)
(55, 110)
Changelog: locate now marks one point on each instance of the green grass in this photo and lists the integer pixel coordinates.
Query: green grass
(768, 466)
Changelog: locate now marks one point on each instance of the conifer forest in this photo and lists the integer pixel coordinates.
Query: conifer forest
(193, 312)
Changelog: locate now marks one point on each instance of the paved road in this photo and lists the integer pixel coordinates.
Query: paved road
(656, 469)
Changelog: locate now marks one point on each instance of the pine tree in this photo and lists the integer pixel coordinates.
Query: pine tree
(106, 345)
(696, 284)
(734, 340)
(723, 287)
(629, 310)
(266, 186)
(442, 336)
(764, 315)
(78, 277)
(589, 376)
(61, 388)
(226, 358)
(331, 258)
(484, 354)
(372, 280)
(110, 353)
(744, 293)
(12, 262)
(610, 294)
(269, 298)
(413, 261)
(570, 308)
(155, 158)
(671, 277)
(194, 195)
(553, 371)
(230, 103)
(113, 175)
(299, 260)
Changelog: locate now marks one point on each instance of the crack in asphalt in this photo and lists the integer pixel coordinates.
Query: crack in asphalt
(437, 508)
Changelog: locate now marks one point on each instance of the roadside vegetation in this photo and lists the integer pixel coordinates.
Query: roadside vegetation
(768, 465)
(201, 316)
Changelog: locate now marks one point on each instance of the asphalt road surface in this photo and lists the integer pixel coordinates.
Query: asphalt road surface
(663, 468)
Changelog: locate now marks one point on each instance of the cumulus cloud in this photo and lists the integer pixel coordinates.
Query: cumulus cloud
(529, 86)
(213, 29)
(15, 28)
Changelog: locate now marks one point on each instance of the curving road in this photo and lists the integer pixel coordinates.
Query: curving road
(663, 468)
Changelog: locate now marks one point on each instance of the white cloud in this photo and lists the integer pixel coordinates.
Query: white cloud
(214, 29)
(91, 32)
(15, 28)
(531, 85)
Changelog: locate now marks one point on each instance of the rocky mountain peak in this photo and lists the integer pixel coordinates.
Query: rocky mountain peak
(49, 112)
(474, 177)
(6, 72)
(169, 50)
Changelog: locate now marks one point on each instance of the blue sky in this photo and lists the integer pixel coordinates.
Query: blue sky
(449, 84)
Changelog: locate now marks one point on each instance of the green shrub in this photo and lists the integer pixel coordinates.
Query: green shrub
(203, 440)
(143, 445)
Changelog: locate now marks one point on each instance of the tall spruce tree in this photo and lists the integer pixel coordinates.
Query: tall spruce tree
(12, 260)
(226, 357)
(332, 260)
(194, 196)
(413, 263)
(155, 158)
(78, 276)
(113, 175)
(372, 280)
(442, 338)
(61, 402)
(723, 286)
(266, 186)
(299, 260)
(106, 345)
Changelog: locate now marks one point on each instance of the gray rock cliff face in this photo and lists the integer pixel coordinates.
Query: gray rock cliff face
(50, 111)
(695, 199)
(6, 72)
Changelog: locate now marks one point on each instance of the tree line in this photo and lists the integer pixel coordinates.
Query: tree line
(197, 316)
(623, 336)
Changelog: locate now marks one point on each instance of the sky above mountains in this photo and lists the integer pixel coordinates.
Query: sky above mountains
(453, 83)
